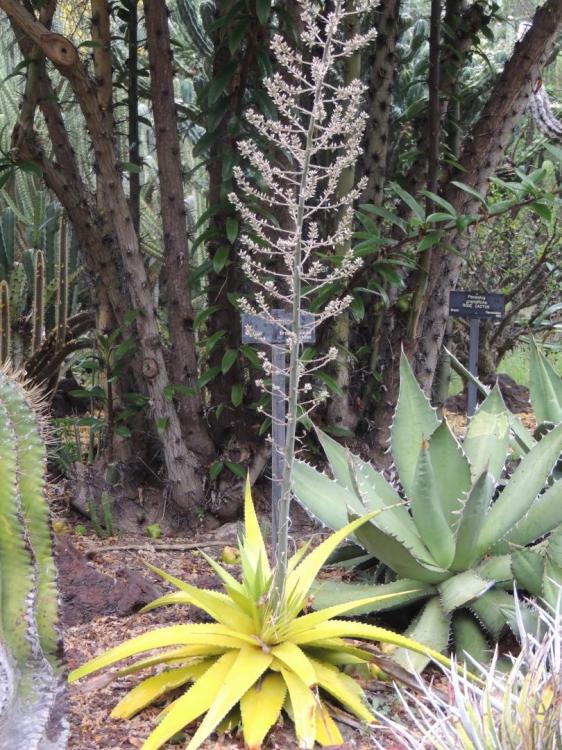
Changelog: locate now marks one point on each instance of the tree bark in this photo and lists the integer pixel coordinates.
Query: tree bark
(482, 152)
(183, 359)
(182, 466)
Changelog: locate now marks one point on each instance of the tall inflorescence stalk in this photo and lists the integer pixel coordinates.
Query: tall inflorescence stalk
(294, 214)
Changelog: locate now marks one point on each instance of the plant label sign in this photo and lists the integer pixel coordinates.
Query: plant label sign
(475, 306)
(272, 330)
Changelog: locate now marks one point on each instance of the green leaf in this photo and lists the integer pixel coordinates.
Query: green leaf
(471, 521)
(384, 213)
(487, 438)
(219, 83)
(431, 628)
(216, 469)
(263, 9)
(528, 570)
(229, 358)
(329, 382)
(544, 211)
(452, 472)
(161, 424)
(522, 489)
(469, 639)
(232, 229)
(429, 240)
(208, 375)
(441, 202)
(461, 589)
(128, 166)
(250, 355)
(470, 190)
(544, 515)
(237, 469)
(329, 593)
(220, 258)
(358, 308)
(428, 512)
(236, 394)
(409, 200)
(415, 420)
(545, 387)
(204, 315)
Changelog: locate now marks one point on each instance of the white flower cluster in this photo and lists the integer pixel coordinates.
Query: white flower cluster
(289, 191)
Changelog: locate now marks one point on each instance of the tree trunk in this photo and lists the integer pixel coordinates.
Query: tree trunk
(182, 467)
(482, 151)
(183, 359)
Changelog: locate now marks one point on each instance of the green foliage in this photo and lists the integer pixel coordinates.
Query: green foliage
(253, 660)
(464, 532)
(31, 685)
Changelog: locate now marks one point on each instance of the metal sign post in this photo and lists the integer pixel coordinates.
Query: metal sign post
(273, 332)
(475, 306)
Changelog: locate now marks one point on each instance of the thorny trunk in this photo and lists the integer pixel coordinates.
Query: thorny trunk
(181, 464)
(183, 357)
(482, 152)
(340, 412)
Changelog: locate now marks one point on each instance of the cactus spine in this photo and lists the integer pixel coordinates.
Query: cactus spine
(5, 323)
(31, 682)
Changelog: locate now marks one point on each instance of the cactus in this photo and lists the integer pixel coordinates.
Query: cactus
(31, 680)
(5, 323)
(453, 542)
(45, 277)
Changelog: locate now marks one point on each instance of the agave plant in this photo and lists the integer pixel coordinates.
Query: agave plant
(253, 661)
(456, 543)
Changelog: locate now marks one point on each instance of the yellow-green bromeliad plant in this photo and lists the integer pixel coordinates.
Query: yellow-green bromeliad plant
(253, 661)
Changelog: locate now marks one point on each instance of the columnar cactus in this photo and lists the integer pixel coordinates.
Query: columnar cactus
(31, 684)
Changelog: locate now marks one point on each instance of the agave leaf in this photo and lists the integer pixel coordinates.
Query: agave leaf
(430, 627)
(303, 708)
(406, 591)
(377, 493)
(472, 518)
(487, 438)
(173, 635)
(251, 662)
(457, 591)
(253, 539)
(545, 387)
(327, 732)
(374, 492)
(524, 441)
(496, 568)
(521, 490)
(528, 570)
(294, 658)
(323, 498)
(344, 689)
(398, 557)
(415, 420)
(452, 471)
(428, 512)
(192, 703)
(173, 656)
(544, 515)
(552, 582)
(216, 604)
(303, 576)
(554, 550)
(149, 690)
(490, 610)
(350, 629)
(322, 615)
(260, 707)
(469, 639)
